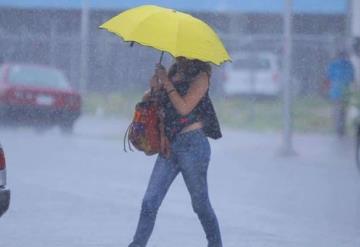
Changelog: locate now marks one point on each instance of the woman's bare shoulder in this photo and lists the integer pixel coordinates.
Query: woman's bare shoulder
(201, 80)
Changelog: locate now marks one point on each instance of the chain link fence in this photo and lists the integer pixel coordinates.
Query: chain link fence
(114, 65)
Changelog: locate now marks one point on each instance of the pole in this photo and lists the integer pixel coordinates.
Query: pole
(53, 40)
(287, 148)
(84, 49)
(349, 15)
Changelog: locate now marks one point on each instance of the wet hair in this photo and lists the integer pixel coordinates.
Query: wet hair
(191, 69)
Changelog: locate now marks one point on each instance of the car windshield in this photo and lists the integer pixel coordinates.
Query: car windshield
(37, 77)
(251, 64)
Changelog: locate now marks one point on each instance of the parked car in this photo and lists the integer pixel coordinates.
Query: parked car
(37, 95)
(4, 192)
(253, 74)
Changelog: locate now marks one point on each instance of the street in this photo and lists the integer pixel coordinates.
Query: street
(84, 190)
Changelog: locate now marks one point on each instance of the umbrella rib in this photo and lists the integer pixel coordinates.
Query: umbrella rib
(139, 24)
(177, 37)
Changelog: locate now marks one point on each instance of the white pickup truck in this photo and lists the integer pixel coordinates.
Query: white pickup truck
(253, 74)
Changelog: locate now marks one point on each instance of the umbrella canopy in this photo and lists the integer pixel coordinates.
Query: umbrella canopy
(168, 30)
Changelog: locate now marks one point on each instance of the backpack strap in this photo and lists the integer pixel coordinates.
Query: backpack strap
(164, 141)
(126, 136)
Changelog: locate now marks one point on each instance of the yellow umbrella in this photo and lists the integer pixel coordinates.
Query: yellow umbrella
(169, 30)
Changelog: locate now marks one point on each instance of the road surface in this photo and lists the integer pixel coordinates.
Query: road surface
(83, 191)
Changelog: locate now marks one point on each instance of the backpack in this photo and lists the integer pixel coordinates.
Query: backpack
(146, 131)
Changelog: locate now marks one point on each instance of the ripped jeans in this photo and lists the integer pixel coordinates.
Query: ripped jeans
(190, 154)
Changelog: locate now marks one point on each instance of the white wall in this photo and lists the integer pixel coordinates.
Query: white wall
(355, 23)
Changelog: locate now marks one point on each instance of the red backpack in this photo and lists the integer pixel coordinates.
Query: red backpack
(146, 131)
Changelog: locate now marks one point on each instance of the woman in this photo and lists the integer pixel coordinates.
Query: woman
(189, 119)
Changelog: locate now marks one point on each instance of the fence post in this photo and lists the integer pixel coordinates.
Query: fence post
(53, 43)
(84, 46)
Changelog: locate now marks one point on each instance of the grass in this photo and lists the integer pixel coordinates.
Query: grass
(310, 114)
(114, 104)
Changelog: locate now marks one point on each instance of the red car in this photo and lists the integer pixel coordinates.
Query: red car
(4, 191)
(37, 95)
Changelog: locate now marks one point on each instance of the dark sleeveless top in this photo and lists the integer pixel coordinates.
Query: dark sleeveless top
(204, 112)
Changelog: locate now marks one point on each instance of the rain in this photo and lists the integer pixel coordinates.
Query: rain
(286, 171)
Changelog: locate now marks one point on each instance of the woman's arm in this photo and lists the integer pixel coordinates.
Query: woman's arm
(185, 104)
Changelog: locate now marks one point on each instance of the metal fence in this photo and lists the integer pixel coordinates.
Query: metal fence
(310, 55)
(113, 65)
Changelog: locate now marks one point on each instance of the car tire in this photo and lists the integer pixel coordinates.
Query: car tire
(67, 127)
(3, 117)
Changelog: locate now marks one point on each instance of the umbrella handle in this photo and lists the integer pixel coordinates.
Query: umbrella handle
(152, 93)
(161, 57)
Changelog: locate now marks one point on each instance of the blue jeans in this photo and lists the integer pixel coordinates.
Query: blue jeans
(190, 154)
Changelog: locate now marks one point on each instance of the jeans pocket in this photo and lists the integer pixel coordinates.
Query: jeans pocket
(199, 148)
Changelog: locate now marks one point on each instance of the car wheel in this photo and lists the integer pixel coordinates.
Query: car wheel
(3, 117)
(67, 127)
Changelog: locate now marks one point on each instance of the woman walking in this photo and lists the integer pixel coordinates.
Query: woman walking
(189, 119)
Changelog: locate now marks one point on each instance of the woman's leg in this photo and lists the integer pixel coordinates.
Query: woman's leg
(162, 176)
(194, 164)
(196, 183)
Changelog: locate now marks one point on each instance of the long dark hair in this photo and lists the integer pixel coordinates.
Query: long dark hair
(191, 69)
